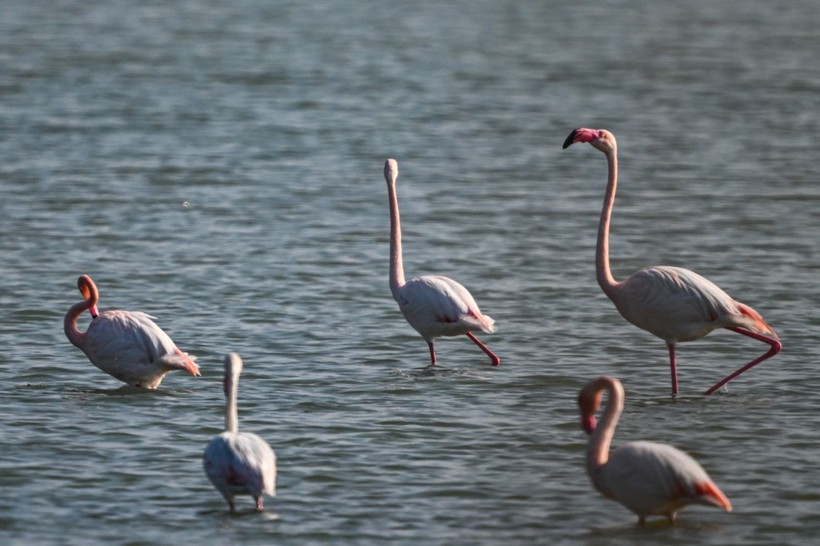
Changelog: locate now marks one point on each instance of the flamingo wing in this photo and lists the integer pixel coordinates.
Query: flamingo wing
(437, 305)
(651, 478)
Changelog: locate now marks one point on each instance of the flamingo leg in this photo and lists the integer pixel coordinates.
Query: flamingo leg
(259, 503)
(673, 366)
(774, 348)
(432, 353)
(496, 361)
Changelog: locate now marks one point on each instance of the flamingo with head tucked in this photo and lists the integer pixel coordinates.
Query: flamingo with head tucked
(239, 463)
(673, 303)
(434, 305)
(127, 345)
(646, 477)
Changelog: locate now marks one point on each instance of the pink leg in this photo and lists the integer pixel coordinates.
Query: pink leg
(496, 361)
(259, 503)
(432, 353)
(673, 365)
(774, 348)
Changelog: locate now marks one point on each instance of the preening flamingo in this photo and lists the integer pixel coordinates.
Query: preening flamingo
(434, 305)
(673, 303)
(646, 477)
(127, 345)
(239, 463)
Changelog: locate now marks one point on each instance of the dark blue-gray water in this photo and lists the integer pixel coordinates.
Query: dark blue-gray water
(219, 165)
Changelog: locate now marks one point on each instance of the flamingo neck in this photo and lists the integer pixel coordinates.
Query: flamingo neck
(231, 412)
(74, 335)
(599, 443)
(602, 270)
(396, 265)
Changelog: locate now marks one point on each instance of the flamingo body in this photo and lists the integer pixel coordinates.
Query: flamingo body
(433, 305)
(127, 345)
(677, 304)
(673, 303)
(648, 478)
(439, 306)
(239, 463)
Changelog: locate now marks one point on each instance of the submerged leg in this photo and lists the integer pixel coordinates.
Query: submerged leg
(774, 348)
(673, 366)
(496, 361)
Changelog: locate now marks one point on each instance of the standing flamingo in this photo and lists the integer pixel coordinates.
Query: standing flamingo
(673, 303)
(127, 345)
(239, 463)
(646, 477)
(434, 305)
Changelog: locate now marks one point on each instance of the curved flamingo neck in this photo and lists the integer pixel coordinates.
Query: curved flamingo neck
(231, 394)
(73, 333)
(396, 264)
(602, 270)
(599, 443)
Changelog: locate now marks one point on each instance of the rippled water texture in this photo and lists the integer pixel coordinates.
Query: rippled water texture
(219, 165)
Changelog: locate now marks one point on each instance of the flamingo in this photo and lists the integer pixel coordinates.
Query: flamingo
(239, 463)
(125, 344)
(673, 303)
(646, 477)
(434, 305)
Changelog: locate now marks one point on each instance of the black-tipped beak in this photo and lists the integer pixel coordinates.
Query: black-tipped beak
(570, 139)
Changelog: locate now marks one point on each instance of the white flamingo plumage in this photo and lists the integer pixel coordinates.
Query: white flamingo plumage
(646, 477)
(434, 305)
(127, 345)
(673, 303)
(239, 463)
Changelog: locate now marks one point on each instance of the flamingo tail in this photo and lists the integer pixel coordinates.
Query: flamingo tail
(713, 495)
(181, 361)
(754, 322)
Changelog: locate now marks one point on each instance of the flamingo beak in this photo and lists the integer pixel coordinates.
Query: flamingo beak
(570, 140)
(588, 423)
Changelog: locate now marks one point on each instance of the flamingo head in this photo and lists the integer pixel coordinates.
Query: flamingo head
(89, 291)
(599, 138)
(589, 400)
(391, 171)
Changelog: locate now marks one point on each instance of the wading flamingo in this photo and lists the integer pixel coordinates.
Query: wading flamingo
(434, 305)
(239, 463)
(127, 345)
(673, 303)
(646, 477)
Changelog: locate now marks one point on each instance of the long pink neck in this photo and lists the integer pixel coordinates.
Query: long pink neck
(396, 265)
(231, 412)
(73, 333)
(598, 450)
(602, 271)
